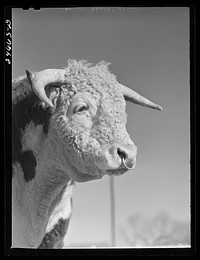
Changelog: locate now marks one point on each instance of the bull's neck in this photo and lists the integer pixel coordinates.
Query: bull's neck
(35, 201)
(48, 189)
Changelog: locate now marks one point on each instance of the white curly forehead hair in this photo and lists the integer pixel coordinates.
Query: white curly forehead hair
(95, 79)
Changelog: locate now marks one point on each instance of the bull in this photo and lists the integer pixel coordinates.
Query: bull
(69, 125)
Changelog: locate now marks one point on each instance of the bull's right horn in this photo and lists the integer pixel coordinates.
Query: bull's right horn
(39, 80)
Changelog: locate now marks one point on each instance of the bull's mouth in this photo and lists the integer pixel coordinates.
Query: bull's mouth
(117, 172)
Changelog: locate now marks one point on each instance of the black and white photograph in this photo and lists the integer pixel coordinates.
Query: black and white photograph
(101, 146)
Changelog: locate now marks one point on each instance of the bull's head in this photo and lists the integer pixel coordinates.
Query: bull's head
(88, 120)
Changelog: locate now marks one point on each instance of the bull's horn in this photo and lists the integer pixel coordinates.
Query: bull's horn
(38, 81)
(132, 96)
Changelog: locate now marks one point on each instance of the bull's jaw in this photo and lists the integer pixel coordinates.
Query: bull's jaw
(78, 175)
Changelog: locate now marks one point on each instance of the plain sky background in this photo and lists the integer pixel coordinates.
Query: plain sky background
(148, 49)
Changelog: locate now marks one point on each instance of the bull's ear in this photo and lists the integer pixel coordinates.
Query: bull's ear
(30, 76)
(39, 80)
(53, 94)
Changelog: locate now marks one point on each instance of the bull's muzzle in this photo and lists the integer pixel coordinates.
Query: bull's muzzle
(117, 156)
(127, 154)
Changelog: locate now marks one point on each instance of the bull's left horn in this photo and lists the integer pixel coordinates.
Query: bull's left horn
(132, 96)
(39, 80)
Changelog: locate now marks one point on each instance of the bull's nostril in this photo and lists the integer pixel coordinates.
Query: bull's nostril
(121, 154)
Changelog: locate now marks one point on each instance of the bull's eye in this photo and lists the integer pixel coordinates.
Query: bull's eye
(80, 108)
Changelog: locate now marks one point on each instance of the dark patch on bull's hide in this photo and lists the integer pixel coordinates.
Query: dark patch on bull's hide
(54, 238)
(28, 164)
(25, 111)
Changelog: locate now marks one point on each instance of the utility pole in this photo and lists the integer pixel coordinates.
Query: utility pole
(112, 211)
